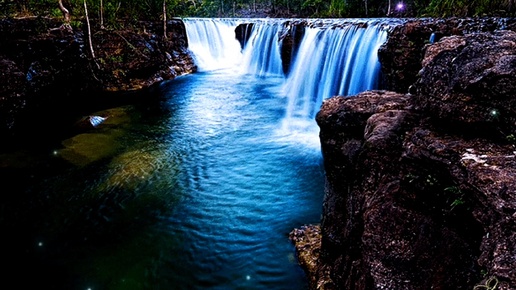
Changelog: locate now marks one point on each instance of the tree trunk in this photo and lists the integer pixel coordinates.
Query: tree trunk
(101, 14)
(164, 19)
(89, 30)
(65, 11)
(389, 9)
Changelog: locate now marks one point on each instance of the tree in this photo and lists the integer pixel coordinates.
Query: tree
(164, 19)
(66, 13)
(89, 30)
(101, 14)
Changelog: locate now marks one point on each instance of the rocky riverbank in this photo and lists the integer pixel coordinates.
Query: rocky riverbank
(420, 190)
(49, 72)
(421, 183)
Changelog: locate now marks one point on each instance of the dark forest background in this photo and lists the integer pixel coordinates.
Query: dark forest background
(112, 11)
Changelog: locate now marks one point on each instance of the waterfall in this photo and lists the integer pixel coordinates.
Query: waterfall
(334, 57)
(262, 52)
(213, 43)
(333, 61)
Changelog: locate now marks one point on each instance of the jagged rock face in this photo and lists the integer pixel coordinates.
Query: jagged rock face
(133, 60)
(290, 38)
(411, 201)
(243, 33)
(401, 55)
(469, 83)
(380, 228)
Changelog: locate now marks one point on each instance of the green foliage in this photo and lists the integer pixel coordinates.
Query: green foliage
(455, 195)
(462, 8)
(337, 8)
(115, 11)
(314, 7)
(76, 24)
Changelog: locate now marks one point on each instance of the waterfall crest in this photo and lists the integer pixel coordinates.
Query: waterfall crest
(262, 52)
(334, 56)
(335, 61)
(212, 43)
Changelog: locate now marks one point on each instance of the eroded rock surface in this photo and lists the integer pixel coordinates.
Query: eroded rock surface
(421, 187)
(400, 56)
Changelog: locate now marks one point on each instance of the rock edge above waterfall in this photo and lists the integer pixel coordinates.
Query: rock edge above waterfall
(421, 188)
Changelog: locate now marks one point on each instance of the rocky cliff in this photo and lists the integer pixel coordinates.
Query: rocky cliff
(48, 71)
(421, 186)
(401, 54)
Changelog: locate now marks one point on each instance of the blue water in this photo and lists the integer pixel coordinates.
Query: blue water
(195, 187)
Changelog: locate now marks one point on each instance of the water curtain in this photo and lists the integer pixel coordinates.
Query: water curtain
(212, 43)
(333, 61)
(334, 57)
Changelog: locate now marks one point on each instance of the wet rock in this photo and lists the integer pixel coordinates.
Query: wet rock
(290, 40)
(243, 33)
(12, 81)
(420, 189)
(307, 240)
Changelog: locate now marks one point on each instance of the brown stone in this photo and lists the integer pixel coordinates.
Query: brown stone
(421, 189)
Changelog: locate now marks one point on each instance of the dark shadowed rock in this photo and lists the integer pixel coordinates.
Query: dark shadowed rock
(401, 55)
(243, 33)
(467, 82)
(11, 102)
(421, 189)
(48, 74)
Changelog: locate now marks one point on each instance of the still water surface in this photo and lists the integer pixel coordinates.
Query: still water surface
(196, 187)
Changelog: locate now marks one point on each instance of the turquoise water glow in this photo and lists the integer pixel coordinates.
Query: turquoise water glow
(197, 187)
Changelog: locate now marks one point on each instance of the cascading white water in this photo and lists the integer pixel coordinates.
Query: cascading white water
(262, 52)
(334, 57)
(335, 61)
(213, 43)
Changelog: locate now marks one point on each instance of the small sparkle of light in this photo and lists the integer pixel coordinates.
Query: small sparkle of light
(40, 244)
(248, 277)
(55, 152)
(494, 112)
(400, 6)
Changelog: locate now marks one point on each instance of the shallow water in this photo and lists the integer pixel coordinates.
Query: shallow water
(195, 187)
